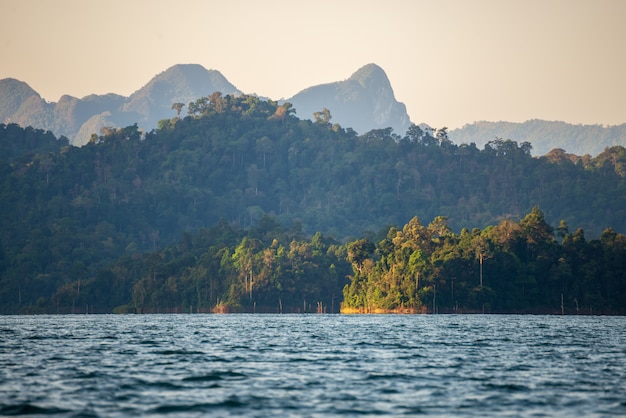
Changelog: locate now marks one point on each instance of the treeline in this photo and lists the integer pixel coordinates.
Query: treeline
(223, 269)
(67, 213)
(17, 142)
(513, 267)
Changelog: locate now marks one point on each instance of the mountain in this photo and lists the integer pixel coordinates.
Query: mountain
(178, 84)
(13, 94)
(77, 119)
(20, 104)
(363, 102)
(544, 135)
(69, 114)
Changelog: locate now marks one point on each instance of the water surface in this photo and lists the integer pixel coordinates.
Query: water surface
(312, 365)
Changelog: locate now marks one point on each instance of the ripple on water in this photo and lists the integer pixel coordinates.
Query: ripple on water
(312, 365)
(28, 408)
(216, 375)
(231, 403)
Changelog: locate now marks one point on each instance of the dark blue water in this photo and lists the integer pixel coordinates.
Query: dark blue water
(312, 365)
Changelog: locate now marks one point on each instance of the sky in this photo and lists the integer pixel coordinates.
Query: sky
(451, 62)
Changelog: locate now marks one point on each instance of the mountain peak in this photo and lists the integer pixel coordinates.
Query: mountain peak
(191, 74)
(365, 101)
(188, 69)
(370, 74)
(180, 83)
(13, 93)
(188, 81)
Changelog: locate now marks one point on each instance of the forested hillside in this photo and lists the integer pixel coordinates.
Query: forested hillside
(67, 213)
(19, 143)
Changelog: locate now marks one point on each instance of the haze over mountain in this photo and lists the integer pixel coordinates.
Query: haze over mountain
(365, 101)
(362, 102)
(77, 119)
(544, 135)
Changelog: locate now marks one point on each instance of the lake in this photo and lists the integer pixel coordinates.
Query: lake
(312, 365)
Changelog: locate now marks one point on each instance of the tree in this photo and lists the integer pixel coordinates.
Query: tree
(415, 134)
(244, 260)
(442, 137)
(283, 111)
(217, 102)
(359, 251)
(535, 228)
(414, 236)
(482, 252)
(264, 145)
(439, 227)
(322, 117)
(562, 230)
(178, 107)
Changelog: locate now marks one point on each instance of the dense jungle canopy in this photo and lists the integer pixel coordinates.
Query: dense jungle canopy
(123, 221)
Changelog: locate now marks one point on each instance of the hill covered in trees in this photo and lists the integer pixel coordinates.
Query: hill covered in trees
(68, 213)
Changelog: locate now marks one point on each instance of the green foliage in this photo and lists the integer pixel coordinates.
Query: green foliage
(17, 142)
(525, 270)
(249, 167)
(222, 269)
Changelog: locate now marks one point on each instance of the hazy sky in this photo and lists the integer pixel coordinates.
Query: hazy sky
(451, 62)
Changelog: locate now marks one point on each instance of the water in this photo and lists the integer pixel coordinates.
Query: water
(312, 365)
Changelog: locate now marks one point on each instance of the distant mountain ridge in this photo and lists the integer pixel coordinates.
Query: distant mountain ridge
(365, 101)
(362, 102)
(544, 135)
(77, 119)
